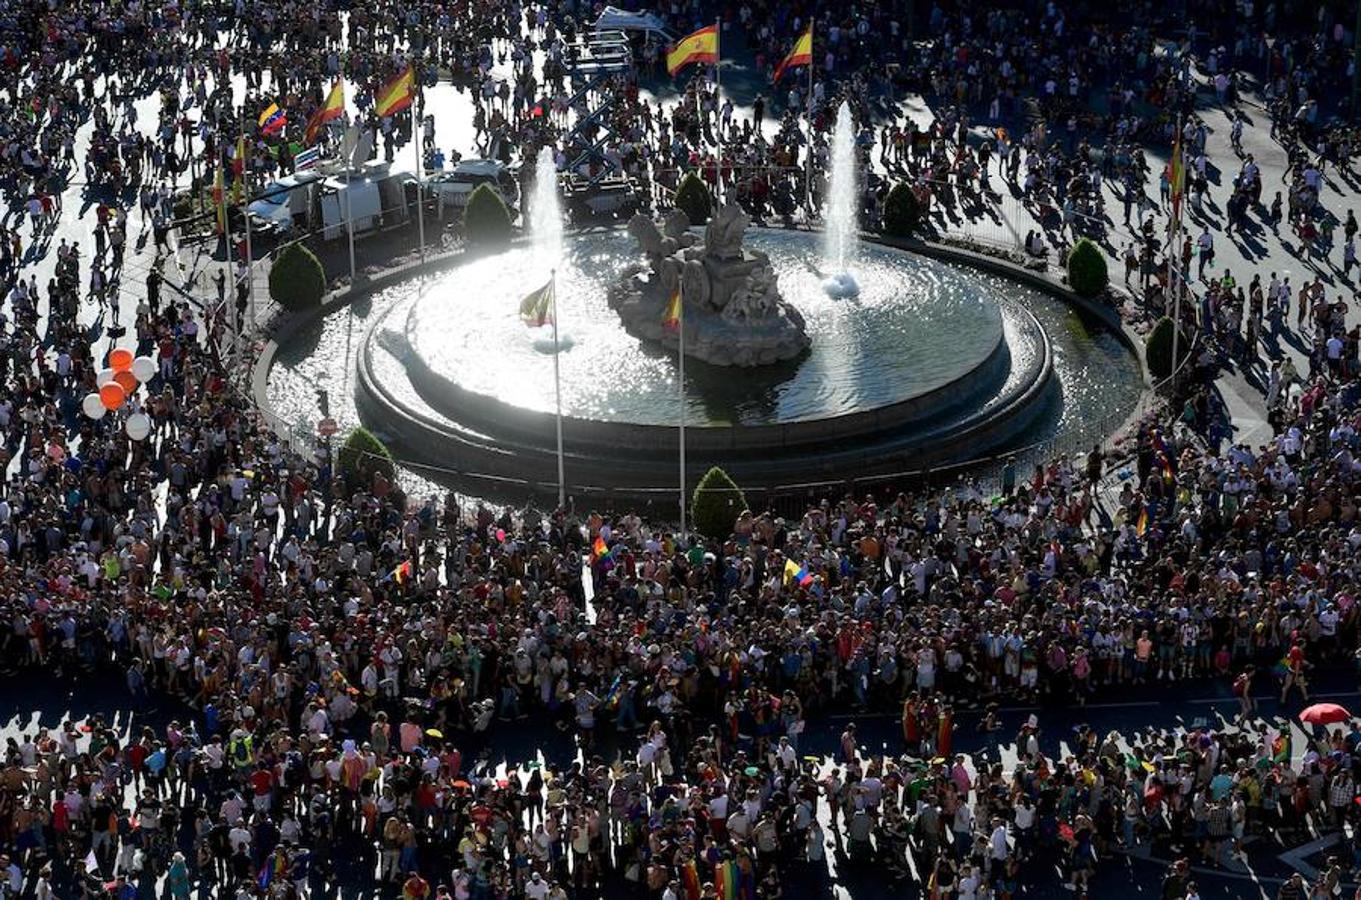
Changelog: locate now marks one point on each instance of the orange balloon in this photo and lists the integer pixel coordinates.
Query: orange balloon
(112, 395)
(120, 359)
(127, 380)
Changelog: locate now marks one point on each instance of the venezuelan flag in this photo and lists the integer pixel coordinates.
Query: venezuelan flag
(698, 48)
(801, 55)
(272, 120)
(397, 94)
(673, 310)
(332, 109)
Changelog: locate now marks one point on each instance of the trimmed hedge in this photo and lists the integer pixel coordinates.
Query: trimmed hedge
(362, 454)
(1087, 274)
(1158, 349)
(716, 504)
(296, 280)
(902, 212)
(486, 221)
(693, 199)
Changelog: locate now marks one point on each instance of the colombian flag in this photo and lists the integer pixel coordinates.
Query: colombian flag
(801, 55)
(332, 109)
(673, 310)
(272, 120)
(698, 48)
(797, 574)
(397, 94)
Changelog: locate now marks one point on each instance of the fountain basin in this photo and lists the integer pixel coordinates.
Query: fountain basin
(928, 364)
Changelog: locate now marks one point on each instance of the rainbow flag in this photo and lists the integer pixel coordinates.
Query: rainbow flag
(274, 867)
(332, 109)
(1282, 667)
(397, 95)
(1142, 525)
(673, 310)
(600, 550)
(272, 120)
(725, 880)
(801, 55)
(698, 48)
(690, 880)
(796, 574)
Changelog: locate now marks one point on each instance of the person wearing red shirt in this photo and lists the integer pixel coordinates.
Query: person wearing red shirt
(262, 783)
(415, 888)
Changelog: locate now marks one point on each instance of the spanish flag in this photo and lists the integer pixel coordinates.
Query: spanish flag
(332, 109)
(698, 48)
(673, 310)
(403, 572)
(397, 94)
(537, 308)
(219, 200)
(801, 55)
(272, 120)
(1176, 176)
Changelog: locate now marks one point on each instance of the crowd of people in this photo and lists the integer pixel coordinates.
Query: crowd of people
(338, 683)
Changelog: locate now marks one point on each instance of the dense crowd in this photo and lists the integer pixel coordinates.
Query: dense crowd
(328, 672)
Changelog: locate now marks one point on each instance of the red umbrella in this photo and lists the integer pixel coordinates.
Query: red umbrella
(1324, 714)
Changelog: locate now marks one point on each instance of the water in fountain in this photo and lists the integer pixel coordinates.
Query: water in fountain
(545, 214)
(838, 211)
(545, 230)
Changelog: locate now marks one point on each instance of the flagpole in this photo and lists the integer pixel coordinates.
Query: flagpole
(1174, 252)
(808, 114)
(245, 214)
(417, 136)
(680, 321)
(718, 103)
(557, 387)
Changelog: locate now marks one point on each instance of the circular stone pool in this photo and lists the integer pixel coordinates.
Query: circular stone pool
(933, 363)
(916, 326)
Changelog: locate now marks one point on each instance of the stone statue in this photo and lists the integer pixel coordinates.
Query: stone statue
(734, 312)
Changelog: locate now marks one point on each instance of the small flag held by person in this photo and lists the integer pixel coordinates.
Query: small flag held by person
(537, 308)
(796, 574)
(272, 120)
(307, 159)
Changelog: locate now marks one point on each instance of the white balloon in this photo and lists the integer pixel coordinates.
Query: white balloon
(93, 407)
(104, 377)
(138, 426)
(144, 369)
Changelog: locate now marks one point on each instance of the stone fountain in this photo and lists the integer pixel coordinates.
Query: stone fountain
(734, 314)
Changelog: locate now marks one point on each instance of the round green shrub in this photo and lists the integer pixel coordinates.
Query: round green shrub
(362, 454)
(296, 280)
(693, 199)
(902, 212)
(1087, 269)
(716, 504)
(486, 219)
(1158, 349)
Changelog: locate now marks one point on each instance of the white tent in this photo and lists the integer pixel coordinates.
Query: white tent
(615, 19)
